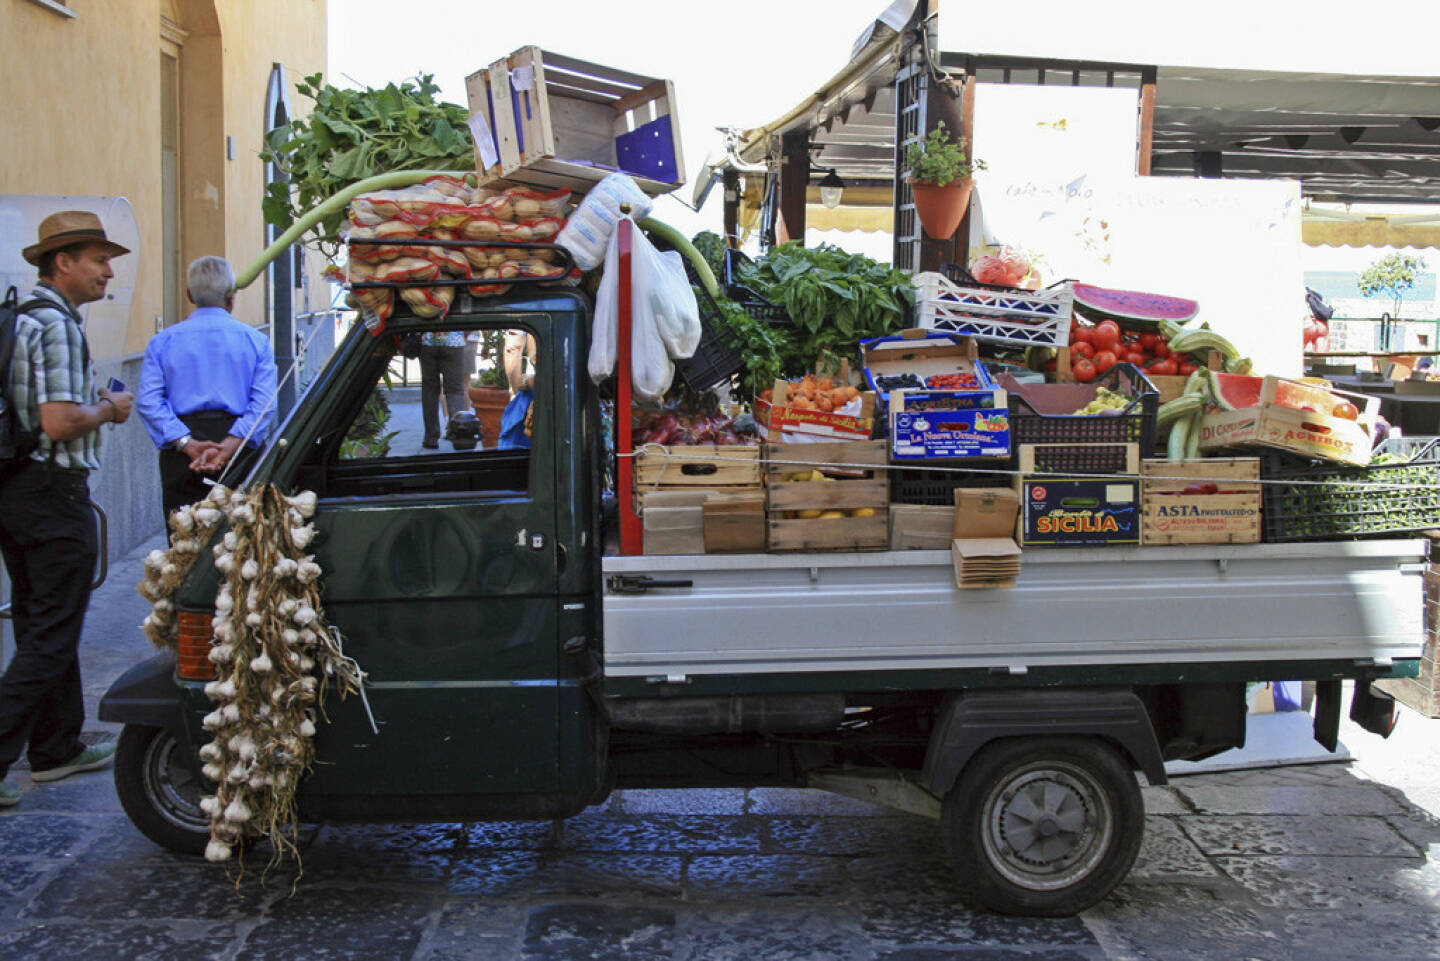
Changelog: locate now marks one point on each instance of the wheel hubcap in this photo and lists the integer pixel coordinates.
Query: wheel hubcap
(1047, 826)
(173, 787)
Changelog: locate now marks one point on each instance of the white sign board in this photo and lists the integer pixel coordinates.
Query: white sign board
(1231, 245)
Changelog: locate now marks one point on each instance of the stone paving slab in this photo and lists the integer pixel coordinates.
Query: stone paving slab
(1288, 799)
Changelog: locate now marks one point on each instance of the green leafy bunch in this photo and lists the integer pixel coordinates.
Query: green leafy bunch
(761, 347)
(835, 298)
(938, 159)
(354, 134)
(712, 247)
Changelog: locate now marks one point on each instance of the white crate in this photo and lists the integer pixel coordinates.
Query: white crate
(1029, 318)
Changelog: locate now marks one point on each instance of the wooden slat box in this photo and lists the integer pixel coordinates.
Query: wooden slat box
(548, 120)
(867, 490)
(697, 465)
(1170, 515)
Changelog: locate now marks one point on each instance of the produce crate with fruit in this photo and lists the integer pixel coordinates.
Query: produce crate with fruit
(827, 496)
(1118, 408)
(816, 407)
(992, 313)
(1290, 415)
(1211, 501)
(546, 119)
(1395, 495)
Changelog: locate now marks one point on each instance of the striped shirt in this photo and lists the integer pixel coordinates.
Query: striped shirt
(49, 366)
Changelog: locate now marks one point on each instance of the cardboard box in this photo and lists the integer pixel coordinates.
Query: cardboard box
(985, 512)
(674, 522)
(924, 354)
(1174, 511)
(734, 522)
(1065, 513)
(780, 423)
(921, 527)
(985, 562)
(1279, 421)
(938, 431)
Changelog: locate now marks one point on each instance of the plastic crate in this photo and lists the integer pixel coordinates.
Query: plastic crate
(717, 357)
(754, 303)
(1135, 424)
(1334, 502)
(988, 312)
(936, 488)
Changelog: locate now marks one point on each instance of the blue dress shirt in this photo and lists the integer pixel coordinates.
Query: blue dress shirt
(208, 361)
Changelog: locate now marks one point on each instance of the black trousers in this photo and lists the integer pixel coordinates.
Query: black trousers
(48, 538)
(179, 485)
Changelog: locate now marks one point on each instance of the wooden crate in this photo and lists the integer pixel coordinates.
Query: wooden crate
(548, 120)
(1169, 516)
(869, 488)
(701, 465)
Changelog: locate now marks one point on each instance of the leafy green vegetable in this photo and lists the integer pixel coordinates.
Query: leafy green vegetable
(712, 247)
(835, 299)
(354, 134)
(760, 347)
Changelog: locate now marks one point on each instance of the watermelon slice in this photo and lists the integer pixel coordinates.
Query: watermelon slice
(1237, 391)
(1131, 308)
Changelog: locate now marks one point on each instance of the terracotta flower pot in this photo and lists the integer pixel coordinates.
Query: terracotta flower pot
(489, 404)
(940, 209)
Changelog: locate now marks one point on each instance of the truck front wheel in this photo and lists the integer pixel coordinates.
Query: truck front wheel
(160, 790)
(1043, 826)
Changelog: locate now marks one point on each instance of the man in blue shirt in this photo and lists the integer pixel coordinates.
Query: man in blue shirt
(207, 388)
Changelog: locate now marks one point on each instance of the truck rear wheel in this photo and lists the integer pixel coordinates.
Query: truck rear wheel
(160, 789)
(1043, 826)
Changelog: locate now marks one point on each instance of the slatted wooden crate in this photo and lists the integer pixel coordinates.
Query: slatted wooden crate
(547, 120)
(697, 465)
(866, 488)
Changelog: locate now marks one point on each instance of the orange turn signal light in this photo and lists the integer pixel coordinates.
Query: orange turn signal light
(192, 656)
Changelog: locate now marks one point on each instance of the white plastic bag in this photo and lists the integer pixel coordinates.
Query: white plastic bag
(588, 231)
(603, 331)
(663, 292)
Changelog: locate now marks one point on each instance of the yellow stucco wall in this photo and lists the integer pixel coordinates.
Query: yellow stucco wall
(82, 116)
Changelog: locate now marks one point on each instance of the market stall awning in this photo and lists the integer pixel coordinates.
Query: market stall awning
(1346, 229)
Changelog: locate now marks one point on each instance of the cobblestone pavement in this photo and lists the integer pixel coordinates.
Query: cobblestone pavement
(1329, 861)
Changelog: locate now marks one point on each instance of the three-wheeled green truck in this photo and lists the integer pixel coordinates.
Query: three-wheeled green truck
(517, 669)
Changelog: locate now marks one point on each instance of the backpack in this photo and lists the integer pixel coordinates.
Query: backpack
(16, 443)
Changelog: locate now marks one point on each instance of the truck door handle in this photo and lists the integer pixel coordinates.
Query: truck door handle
(640, 583)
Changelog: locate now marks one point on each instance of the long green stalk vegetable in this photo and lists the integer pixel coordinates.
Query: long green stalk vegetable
(335, 204)
(681, 243)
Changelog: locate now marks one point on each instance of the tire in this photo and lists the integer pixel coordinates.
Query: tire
(1043, 826)
(160, 789)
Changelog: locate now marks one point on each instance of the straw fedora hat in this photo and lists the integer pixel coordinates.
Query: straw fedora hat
(70, 227)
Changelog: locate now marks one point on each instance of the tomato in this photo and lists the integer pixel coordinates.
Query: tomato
(1083, 349)
(1148, 341)
(1162, 349)
(1135, 357)
(1345, 411)
(1084, 371)
(1164, 368)
(1049, 366)
(1079, 335)
(1104, 360)
(1106, 335)
(1187, 369)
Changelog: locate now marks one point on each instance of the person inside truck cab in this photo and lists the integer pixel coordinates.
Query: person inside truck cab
(519, 361)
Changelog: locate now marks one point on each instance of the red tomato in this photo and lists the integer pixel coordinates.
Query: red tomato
(1165, 368)
(1083, 349)
(1079, 335)
(1162, 349)
(1084, 371)
(1104, 360)
(1187, 369)
(1135, 357)
(1148, 341)
(1106, 335)
(1345, 411)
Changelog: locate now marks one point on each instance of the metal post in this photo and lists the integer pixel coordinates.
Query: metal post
(631, 533)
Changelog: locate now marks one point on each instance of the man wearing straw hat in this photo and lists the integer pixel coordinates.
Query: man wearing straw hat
(47, 530)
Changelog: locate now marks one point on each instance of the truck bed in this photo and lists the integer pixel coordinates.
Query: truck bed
(1237, 607)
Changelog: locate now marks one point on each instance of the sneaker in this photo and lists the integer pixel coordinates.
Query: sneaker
(430, 443)
(93, 758)
(9, 796)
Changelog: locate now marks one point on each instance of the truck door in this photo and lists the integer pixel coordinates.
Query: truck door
(441, 575)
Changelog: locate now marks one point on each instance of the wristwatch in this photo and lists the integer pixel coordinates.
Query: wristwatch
(183, 443)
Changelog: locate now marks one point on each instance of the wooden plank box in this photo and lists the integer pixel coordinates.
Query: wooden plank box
(547, 120)
(869, 491)
(1280, 421)
(699, 465)
(1172, 511)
